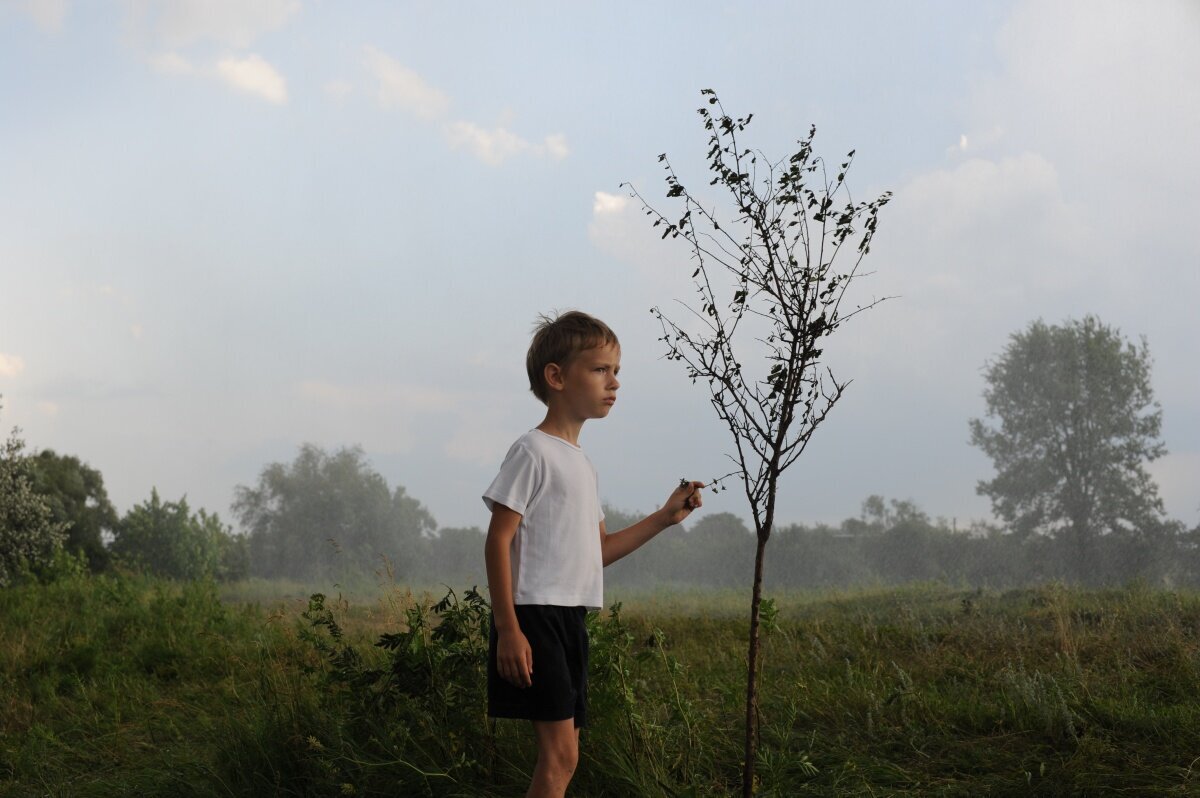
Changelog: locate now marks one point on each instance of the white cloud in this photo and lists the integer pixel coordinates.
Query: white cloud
(236, 23)
(556, 146)
(253, 75)
(1105, 90)
(49, 409)
(401, 87)
(172, 63)
(11, 365)
(605, 203)
(47, 14)
(496, 145)
(621, 230)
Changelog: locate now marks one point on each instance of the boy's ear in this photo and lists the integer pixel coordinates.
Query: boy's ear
(554, 376)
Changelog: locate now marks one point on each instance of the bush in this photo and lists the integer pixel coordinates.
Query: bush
(29, 537)
(167, 539)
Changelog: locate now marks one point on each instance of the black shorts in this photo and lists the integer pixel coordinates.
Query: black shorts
(558, 639)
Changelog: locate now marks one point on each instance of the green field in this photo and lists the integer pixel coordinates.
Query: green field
(129, 686)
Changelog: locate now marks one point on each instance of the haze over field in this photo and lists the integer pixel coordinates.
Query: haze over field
(227, 228)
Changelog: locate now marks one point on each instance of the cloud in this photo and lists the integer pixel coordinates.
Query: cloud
(235, 23)
(604, 203)
(171, 63)
(250, 74)
(253, 75)
(47, 14)
(401, 87)
(496, 145)
(1106, 91)
(11, 365)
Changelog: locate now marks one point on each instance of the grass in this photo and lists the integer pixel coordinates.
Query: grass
(119, 686)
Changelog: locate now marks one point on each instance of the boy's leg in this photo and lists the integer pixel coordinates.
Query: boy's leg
(558, 754)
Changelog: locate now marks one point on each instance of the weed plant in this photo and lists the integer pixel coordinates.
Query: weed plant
(128, 686)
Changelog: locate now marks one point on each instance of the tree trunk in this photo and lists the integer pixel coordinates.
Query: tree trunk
(752, 673)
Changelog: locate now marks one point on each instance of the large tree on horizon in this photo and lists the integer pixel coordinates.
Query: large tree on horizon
(1076, 422)
(328, 513)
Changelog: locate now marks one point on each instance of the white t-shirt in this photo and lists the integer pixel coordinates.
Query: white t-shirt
(555, 555)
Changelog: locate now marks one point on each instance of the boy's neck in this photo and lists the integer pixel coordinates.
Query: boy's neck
(561, 425)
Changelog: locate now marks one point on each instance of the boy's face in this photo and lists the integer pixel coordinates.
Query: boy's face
(589, 385)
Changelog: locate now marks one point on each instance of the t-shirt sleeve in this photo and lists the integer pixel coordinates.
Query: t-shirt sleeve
(519, 479)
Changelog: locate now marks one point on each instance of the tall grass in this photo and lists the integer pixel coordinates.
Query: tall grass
(129, 686)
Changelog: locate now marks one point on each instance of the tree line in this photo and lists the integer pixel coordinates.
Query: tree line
(1070, 423)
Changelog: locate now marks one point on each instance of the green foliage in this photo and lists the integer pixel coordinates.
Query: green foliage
(122, 685)
(167, 539)
(415, 720)
(129, 685)
(326, 514)
(29, 534)
(1077, 421)
(77, 499)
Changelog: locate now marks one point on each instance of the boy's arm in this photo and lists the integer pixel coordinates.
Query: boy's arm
(679, 506)
(514, 658)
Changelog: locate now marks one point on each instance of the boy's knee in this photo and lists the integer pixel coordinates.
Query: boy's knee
(563, 756)
(558, 755)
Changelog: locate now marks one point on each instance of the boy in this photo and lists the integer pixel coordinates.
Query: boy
(547, 544)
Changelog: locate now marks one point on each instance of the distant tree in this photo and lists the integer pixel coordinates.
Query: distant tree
(771, 276)
(717, 551)
(75, 494)
(880, 515)
(326, 514)
(456, 556)
(167, 539)
(29, 535)
(1077, 423)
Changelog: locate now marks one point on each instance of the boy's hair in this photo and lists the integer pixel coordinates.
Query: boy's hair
(560, 339)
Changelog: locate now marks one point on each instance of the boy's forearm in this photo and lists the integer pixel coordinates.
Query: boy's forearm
(499, 574)
(618, 544)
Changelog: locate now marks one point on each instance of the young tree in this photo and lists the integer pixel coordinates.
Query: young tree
(771, 281)
(168, 539)
(1077, 421)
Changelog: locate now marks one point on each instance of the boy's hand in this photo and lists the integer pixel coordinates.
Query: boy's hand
(682, 501)
(514, 659)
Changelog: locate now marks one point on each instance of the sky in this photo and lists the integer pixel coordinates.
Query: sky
(230, 227)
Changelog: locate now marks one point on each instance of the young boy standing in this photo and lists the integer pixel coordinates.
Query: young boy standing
(547, 544)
